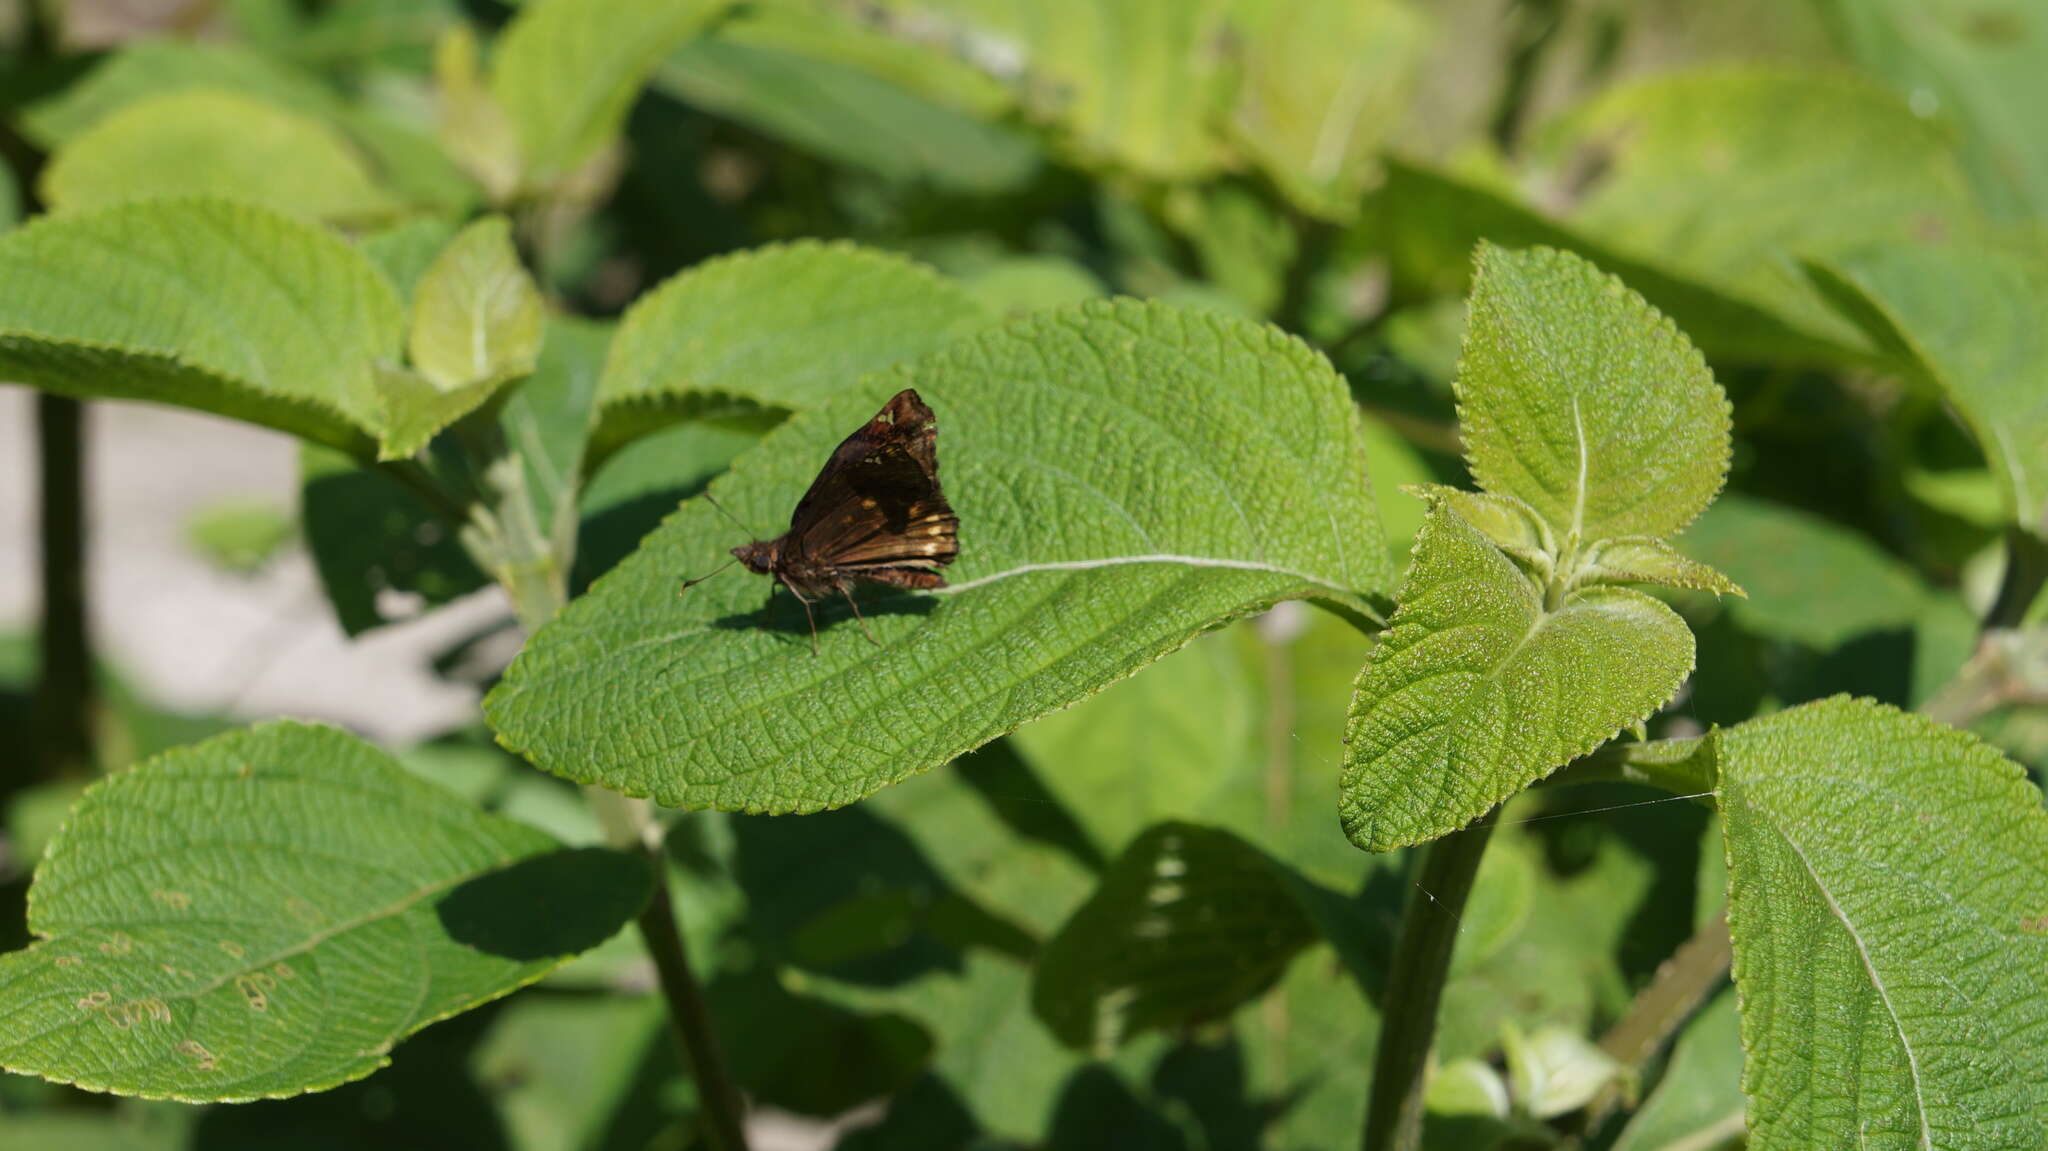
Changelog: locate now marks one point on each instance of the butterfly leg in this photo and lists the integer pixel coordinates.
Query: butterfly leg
(808, 617)
(859, 618)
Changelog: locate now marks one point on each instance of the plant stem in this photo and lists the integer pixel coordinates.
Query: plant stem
(1415, 986)
(630, 826)
(1659, 1010)
(65, 702)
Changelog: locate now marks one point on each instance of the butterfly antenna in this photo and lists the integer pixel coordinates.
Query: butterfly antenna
(728, 515)
(690, 583)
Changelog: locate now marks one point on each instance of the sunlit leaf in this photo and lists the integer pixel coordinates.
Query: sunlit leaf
(476, 315)
(268, 912)
(200, 142)
(566, 71)
(1124, 474)
(1888, 888)
(177, 301)
(781, 328)
(1580, 399)
(1479, 689)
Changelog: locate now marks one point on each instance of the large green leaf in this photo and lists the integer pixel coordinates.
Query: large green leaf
(1127, 475)
(1980, 66)
(1478, 690)
(212, 142)
(1710, 185)
(822, 83)
(566, 71)
(408, 163)
(1434, 217)
(147, 68)
(777, 328)
(1723, 172)
(1967, 318)
(1888, 898)
(268, 912)
(208, 304)
(1580, 399)
(1323, 85)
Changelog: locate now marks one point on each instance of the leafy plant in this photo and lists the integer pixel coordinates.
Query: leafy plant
(1575, 490)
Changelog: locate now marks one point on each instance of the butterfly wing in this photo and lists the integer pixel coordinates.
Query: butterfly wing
(876, 511)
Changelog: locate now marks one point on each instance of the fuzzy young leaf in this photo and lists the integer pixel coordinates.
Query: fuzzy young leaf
(476, 314)
(1126, 476)
(178, 302)
(199, 142)
(1641, 559)
(1477, 691)
(1188, 924)
(782, 327)
(1512, 525)
(1581, 400)
(269, 912)
(1966, 318)
(566, 71)
(1888, 899)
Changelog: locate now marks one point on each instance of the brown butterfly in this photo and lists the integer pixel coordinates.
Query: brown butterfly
(875, 514)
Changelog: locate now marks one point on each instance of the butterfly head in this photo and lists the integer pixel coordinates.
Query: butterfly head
(760, 557)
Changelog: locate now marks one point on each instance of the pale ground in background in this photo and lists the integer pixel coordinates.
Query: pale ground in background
(192, 638)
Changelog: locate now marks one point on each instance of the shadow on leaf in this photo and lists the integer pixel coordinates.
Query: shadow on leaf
(560, 903)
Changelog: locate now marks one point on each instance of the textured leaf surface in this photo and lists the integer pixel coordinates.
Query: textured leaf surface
(782, 327)
(1580, 399)
(268, 912)
(207, 304)
(1968, 318)
(1126, 476)
(1476, 691)
(476, 314)
(1188, 924)
(566, 71)
(1888, 898)
(200, 142)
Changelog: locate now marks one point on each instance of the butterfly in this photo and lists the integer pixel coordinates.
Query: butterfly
(875, 514)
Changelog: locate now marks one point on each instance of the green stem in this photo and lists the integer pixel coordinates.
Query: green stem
(630, 826)
(1415, 986)
(1682, 984)
(65, 699)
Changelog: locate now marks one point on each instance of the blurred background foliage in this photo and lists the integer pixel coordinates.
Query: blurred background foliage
(1325, 164)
